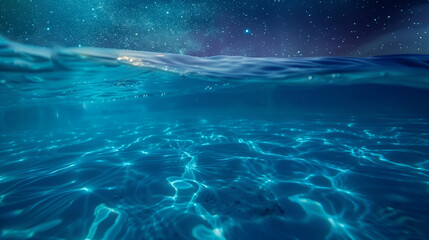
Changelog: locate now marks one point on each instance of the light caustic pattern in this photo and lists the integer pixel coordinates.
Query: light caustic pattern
(223, 179)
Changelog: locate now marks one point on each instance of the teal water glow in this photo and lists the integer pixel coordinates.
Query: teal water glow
(111, 144)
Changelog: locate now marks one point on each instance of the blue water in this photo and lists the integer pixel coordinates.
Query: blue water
(112, 144)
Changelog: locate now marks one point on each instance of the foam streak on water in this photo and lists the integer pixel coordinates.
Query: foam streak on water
(112, 144)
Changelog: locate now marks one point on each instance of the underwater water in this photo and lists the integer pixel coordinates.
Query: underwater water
(111, 144)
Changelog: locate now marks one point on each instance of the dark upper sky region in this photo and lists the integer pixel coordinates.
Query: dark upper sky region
(282, 28)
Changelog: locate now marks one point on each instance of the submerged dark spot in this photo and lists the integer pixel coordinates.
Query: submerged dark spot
(321, 181)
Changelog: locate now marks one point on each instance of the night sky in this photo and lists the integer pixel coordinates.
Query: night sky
(275, 28)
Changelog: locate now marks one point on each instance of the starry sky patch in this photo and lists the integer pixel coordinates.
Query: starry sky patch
(274, 28)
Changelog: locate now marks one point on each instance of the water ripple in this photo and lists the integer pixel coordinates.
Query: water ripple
(108, 74)
(184, 180)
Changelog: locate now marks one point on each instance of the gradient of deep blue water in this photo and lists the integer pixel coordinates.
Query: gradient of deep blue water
(110, 144)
